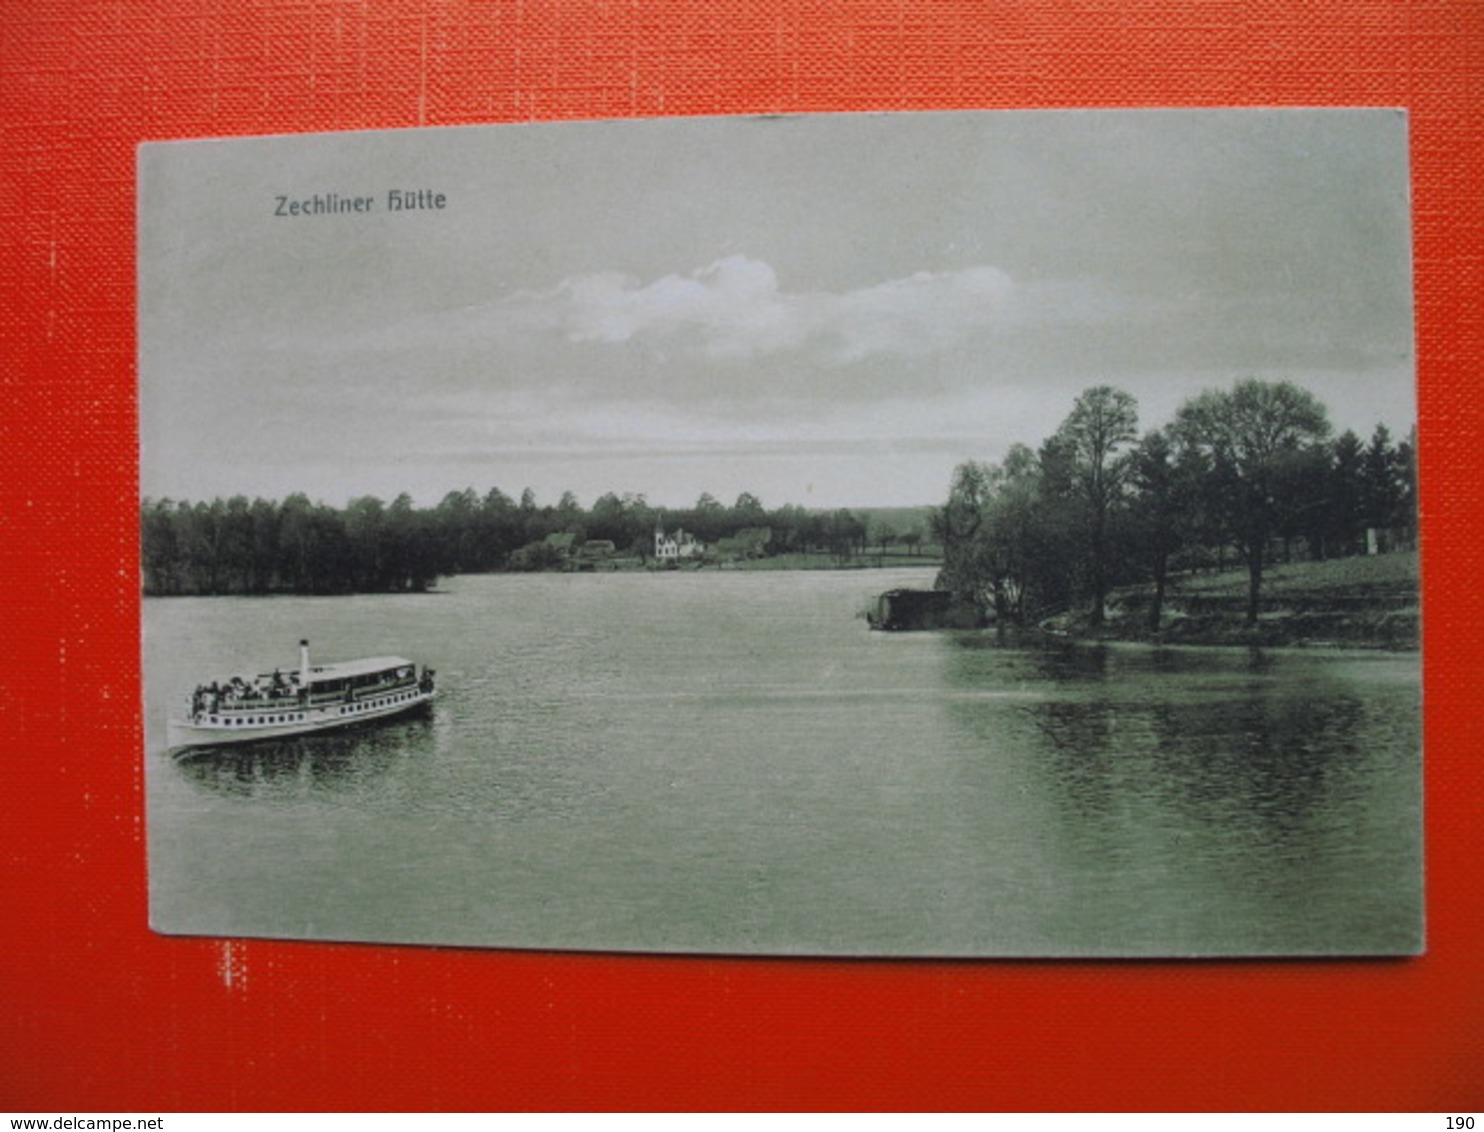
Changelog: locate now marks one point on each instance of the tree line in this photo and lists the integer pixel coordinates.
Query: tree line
(296, 546)
(1247, 475)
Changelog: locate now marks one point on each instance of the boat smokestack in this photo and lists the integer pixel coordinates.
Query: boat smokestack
(304, 665)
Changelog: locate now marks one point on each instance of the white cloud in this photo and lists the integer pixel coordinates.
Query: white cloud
(735, 309)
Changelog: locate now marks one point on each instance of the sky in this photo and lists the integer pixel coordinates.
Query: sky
(828, 310)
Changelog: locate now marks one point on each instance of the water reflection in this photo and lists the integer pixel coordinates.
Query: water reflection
(343, 762)
(1228, 734)
(1229, 792)
(1064, 663)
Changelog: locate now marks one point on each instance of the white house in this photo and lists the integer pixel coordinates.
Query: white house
(670, 549)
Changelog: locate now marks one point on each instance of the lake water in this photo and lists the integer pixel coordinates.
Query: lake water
(732, 762)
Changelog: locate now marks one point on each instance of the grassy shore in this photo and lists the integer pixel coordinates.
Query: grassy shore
(930, 558)
(1369, 602)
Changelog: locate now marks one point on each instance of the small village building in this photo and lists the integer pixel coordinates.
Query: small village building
(670, 550)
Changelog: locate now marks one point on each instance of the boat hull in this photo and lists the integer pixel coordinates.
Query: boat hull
(269, 722)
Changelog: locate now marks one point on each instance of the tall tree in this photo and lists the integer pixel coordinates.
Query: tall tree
(265, 534)
(569, 513)
(958, 525)
(236, 547)
(407, 547)
(708, 518)
(997, 552)
(845, 534)
(1160, 501)
(607, 519)
(1305, 484)
(160, 551)
(1345, 499)
(1250, 433)
(499, 524)
(1102, 422)
(1406, 466)
(1381, 484)
(748, 511)
(457, 518)
(295, 537)
(366, 538)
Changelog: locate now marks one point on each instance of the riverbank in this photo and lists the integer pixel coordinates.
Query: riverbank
(1369, 602)
(892, 560)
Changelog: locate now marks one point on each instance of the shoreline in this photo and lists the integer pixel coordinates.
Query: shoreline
(1370, 603)
(1392, 636)
(1360, 603)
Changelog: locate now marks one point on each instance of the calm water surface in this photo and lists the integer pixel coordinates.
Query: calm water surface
(732, 762)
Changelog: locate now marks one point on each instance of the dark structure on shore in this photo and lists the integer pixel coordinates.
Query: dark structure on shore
(900, 610)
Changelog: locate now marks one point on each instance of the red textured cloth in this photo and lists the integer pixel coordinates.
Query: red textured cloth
(97, 1013)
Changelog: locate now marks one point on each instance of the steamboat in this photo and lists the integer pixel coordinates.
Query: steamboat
(313, 698)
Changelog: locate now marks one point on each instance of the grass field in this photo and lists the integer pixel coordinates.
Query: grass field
(1377, 576)
(1353, 602)
(929, 558)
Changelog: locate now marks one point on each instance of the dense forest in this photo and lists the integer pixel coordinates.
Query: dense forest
(1241, 477)
(242, 546)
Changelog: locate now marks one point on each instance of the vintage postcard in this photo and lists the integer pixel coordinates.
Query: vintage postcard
(968, 534)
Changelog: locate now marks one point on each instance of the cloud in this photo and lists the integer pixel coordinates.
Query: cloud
(735, 309)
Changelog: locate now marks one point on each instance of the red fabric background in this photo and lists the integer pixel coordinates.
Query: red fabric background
(98, 1013)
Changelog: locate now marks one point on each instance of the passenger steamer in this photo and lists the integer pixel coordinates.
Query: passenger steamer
(316, 698)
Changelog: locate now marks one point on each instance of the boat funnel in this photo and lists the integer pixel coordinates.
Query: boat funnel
(304, 664)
